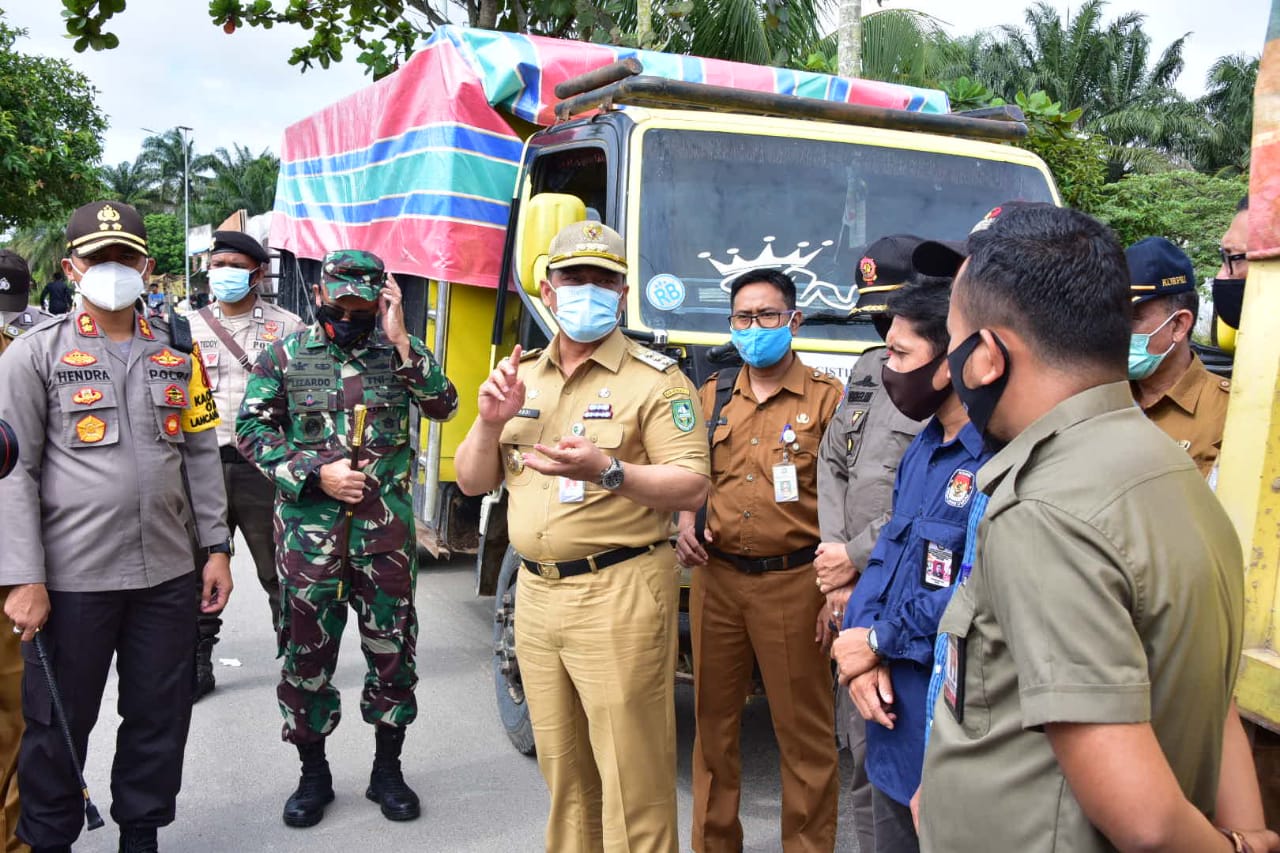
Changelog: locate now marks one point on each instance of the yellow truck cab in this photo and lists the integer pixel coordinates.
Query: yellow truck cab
(704, 181)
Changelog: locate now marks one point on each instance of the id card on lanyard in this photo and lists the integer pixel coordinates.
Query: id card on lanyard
(786, 483)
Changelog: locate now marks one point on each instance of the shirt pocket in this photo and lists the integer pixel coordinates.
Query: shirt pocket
(958, 621)
(168, 399)
(387, 421)
(943, 551)
(518, 436)
(608, 437)
(313, 418)
(91, 415)
(721, 449)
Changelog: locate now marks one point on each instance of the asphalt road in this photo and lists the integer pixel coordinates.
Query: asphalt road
(478, 793)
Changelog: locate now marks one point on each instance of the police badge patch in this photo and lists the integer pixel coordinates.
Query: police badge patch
(682, 414)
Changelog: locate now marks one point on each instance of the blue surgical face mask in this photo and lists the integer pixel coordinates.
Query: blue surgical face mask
(229, 284)
(1142, 363)
(586, 312)
(762, 347)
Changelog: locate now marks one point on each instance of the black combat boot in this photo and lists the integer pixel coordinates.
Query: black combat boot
(386, 783)
(204, 668)
(138, 839)
(305, 806)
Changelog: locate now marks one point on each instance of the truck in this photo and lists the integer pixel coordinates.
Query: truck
(459, 168)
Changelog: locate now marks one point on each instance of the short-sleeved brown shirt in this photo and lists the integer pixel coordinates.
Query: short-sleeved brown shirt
(633, 403)
(1107, 588)
(742, 514)
(1194, 412)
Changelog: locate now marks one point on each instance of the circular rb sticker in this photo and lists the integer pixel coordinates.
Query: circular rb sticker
(665, 292)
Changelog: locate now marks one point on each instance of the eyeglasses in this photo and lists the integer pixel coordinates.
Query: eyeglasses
(764, 319)
(1229, 260)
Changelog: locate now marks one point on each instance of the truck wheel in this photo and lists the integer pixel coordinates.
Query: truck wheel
(506, 669)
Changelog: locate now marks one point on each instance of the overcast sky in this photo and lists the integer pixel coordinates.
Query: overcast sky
(175, 67)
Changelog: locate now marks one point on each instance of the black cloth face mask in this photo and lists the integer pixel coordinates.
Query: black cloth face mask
(344, 333)
(979, 402)
(912, 391)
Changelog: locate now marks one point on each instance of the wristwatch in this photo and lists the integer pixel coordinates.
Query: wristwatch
(611, 477)
(873, 642)
(221, 548)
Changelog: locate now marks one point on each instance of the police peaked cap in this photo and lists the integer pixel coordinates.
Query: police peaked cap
(239, 242)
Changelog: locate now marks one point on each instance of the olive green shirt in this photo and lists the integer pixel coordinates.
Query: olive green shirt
(1107, 587)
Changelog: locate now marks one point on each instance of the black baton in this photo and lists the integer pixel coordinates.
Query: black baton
(90, 810)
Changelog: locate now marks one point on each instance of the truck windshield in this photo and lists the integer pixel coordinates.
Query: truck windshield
(714, 205)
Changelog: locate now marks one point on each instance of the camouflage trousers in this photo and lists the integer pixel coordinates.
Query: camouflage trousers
(314, 602)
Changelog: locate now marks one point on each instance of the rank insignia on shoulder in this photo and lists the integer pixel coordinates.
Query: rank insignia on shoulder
(86, 326)
(86, 396)
(530, 354)
(654, 359)
(14, 331)
(167, 359)
(175, 395)
(76, 358)
(528, 413)
(91, 430)
(144, 328)
(960, 488)
(682, 415)
(598, 411)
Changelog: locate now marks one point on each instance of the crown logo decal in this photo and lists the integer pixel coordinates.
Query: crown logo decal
(810, 288)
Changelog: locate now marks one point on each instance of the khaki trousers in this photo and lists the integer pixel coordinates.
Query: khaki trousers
(769, 617)
(10, 732)
(597, 655)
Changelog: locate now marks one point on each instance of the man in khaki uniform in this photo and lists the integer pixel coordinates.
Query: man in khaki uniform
(599, 440)
(1090, 650)
(232, 333)
(17, 315)
(754, 593)
(857, 462)
(1169, 381)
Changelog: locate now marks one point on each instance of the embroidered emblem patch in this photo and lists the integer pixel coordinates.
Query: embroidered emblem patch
(86, 396)
(175, 395)
(960, 488)
(75, 358)
(168, 359)
(682, 415)
(172, 423)
(868, 269)
(144, 328)
(91, 430)
(87, 327)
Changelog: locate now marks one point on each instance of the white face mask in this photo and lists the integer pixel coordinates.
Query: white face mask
(111, 286)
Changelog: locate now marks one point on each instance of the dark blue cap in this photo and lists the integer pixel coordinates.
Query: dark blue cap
(1158, 268)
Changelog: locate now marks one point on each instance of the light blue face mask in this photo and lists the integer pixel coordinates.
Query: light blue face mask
(1142, 363)
(586, 312)
(762, 347)
(229, 284)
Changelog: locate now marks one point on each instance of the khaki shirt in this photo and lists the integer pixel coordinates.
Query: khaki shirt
(634, 404)
(742, 514)
(253, 332)
(97, 501)
(1193, 413)
(1107, 587)
(858, 460)
(14, 324)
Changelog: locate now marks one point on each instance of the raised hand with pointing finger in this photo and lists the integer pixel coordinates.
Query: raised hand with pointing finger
(502, 394)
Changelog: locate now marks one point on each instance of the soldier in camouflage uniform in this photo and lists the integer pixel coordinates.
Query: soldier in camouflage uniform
(296, 425)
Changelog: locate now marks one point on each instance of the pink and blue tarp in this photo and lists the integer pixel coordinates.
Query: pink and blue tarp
(419, 167)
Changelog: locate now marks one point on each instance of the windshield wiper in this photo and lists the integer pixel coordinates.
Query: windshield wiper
(835, 319)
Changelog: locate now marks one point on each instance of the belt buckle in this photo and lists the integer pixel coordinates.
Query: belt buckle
(549, 570)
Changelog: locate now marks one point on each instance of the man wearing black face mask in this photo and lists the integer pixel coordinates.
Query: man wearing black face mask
(1088, 655)
(884, 653)
(344, 523)
(1228, 285)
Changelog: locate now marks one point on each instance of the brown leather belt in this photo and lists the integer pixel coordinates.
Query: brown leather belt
(760, 565)
(594, 563)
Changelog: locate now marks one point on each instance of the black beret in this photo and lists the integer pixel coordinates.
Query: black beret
(240, 242)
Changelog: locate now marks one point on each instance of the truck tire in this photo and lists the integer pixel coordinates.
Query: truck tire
(506, 669)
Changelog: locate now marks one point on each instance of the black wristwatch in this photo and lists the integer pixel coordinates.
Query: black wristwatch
(221, 548)
(611, 477)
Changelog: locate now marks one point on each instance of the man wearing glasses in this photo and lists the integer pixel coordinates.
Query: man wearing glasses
(1169, 381)
(343, 515)
(755, 595)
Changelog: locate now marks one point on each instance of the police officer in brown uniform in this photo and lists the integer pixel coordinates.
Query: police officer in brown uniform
(599, 440)
(754, 591)
(231, 333)
(1169, 381)
(110, 412)
(17, 315)
(857, 462)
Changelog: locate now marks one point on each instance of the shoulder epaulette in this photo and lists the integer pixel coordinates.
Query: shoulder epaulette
(654, 359)
(528, 355)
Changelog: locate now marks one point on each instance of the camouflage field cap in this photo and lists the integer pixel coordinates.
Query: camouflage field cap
(590, 244)
(352, 272)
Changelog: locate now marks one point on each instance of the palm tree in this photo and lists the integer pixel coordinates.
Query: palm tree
(167, 155)
(133, 183)
(239, 179)
(42, 244)
(769, 33)
(1228, 101)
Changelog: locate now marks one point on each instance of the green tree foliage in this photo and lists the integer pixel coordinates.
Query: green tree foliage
(50, 135)
(1228, 102)
(42, 244)
(1190, 208)
(167, 157)
(133, 183)
(240, 180)
(164, 241)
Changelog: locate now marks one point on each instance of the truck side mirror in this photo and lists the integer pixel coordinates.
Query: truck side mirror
(541, 219)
